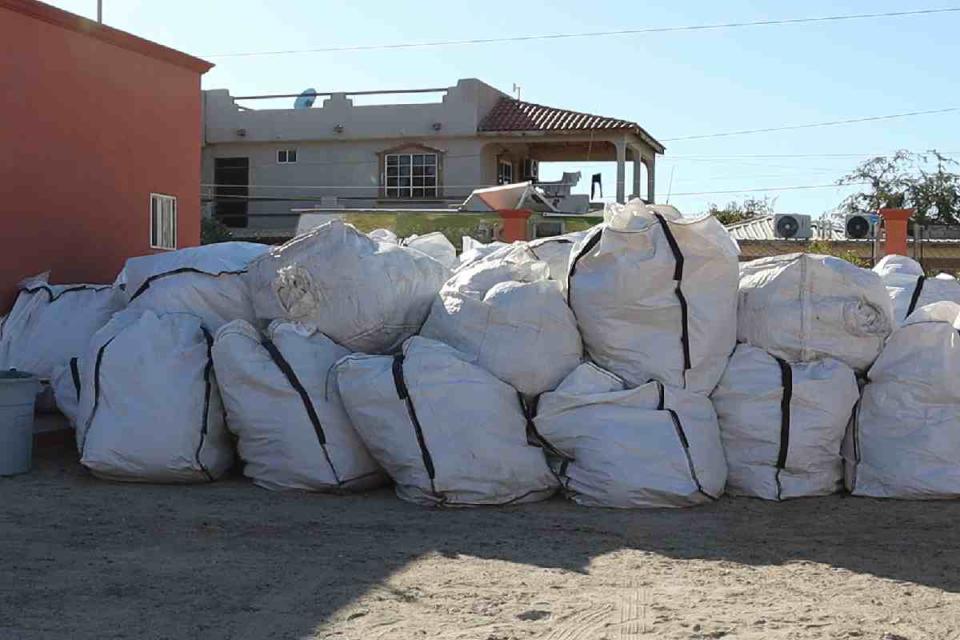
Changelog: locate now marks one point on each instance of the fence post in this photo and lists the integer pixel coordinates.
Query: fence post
(514, 223)
(895, 224)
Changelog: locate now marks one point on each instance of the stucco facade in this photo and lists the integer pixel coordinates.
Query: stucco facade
(342, 149)
(95, 120)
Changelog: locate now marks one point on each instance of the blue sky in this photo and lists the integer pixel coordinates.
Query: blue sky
(673, 84)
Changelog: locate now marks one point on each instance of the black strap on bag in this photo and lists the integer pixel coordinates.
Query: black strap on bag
(678, 278)
(404, 395)
(588, 245)
(682, 435)
(786, 381)
(915, 298)
(146, 283)
(75, 375)
(534, 439)
(294, 382)
(208, 388)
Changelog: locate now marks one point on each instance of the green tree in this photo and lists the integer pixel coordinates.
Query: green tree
(213, 231)
(921, 181)
(735, 211)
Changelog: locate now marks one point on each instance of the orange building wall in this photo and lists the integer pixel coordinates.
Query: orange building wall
(88, 130)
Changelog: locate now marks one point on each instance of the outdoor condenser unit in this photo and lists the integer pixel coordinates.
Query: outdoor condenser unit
(792, 226)
(859, 226)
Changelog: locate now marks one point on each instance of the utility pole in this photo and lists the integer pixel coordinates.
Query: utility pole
(100, 11)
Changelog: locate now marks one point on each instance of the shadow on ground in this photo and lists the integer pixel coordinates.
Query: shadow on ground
(81, 558)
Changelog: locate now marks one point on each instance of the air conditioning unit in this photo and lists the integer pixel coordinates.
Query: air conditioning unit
(792, 226)
(860, 226)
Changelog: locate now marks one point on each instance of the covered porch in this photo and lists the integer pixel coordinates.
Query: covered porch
(522, 135)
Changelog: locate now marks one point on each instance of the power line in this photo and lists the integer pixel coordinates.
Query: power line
(587, 34)
(830, 123)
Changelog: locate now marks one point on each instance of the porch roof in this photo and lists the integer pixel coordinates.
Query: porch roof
(512, 115)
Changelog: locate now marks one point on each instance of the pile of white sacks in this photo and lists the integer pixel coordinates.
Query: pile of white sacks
(636, 364)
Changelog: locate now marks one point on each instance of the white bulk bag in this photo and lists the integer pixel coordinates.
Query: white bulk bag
(149, 406)
(555, 251)
(384, 235)
(654, 294)
(905, 442)
(508, 318)
(473, 250)
(650, 446)
(802, 307)
(204, 281)
(448, 432)
(290, 424)
(436, 245)
(366, 295)
(782, 424)
(49, 324)
(909, 288)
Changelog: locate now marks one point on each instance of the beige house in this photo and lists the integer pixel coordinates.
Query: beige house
(260, 164)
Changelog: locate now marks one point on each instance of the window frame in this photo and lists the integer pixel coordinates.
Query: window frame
(156, 219)
(503, 163)
(286, 156)
(411, 160)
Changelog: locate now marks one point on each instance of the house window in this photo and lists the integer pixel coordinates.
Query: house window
(504, 172)
(163, 221)
(410, 175)
(531, 170)
(287, 156)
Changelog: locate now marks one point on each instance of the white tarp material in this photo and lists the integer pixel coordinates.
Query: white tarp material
(49, 324)
(555, 252)
(205, 281)
(508, 318)
(150, 409)
(473, 250)
(802, 307)
(366, 295)
(448, 432)
(910, 288)
(906, 437)
(283, 405)
(436, 245)
(782, 424)
(654, 294)
(649, 446)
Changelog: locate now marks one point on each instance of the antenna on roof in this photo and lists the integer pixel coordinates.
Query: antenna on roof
(516, 90)
(306, 99)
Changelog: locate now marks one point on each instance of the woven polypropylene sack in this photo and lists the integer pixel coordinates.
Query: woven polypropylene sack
(802, 307)
(782, 424)
(284, 407)
(641, 447)
(448, 432)
(366, 295)
(654, 294)
(149, 407)
(905, 441)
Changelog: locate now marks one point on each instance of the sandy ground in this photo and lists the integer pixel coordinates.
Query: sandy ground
(82, 558)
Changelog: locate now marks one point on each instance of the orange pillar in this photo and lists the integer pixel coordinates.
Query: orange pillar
(514, 224)
(895, 224)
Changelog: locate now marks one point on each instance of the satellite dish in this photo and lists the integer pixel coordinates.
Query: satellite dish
(306, 99)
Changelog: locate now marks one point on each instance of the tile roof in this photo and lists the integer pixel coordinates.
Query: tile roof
(510, 114)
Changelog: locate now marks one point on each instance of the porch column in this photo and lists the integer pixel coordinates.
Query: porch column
(651, 180)
(637, 171)
(621, 171)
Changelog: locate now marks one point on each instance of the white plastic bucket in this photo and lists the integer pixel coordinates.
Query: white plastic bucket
(18, 392)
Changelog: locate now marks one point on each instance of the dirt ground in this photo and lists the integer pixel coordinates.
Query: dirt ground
(81, 558)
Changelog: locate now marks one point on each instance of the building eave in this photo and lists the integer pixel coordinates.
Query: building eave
(90, 28)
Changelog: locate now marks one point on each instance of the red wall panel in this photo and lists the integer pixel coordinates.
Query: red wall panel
(88, 130)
